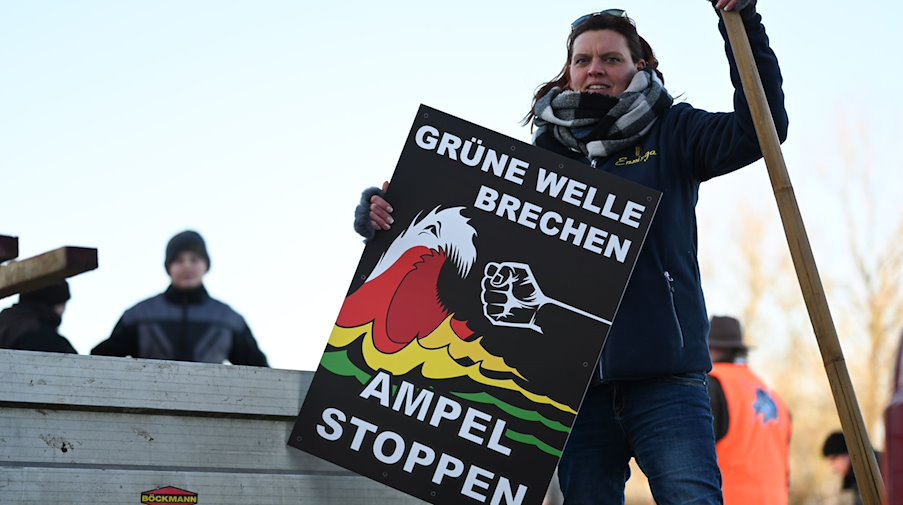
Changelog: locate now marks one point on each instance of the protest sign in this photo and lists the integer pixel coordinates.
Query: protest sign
(472, 328)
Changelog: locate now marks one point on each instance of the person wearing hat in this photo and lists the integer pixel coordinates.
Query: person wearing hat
(835, 450)
(32, 324)
(751, 423)
(184, 323)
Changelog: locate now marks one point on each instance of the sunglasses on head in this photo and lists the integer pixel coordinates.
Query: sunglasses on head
(618, 13)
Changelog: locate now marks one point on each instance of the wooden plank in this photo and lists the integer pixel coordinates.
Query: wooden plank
(43, 485)
(31, 437)
(101, 383)
(9, 248)
(45, 269)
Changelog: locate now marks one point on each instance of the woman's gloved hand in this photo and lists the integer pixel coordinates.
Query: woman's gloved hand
(373, 212)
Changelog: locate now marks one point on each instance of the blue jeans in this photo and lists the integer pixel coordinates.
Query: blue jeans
(665, 423)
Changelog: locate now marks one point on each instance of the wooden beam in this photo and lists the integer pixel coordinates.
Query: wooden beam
(9, 248)
(45, 269)
(865, 465)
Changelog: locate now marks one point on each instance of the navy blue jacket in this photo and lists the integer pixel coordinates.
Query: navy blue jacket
(183, 326)
(661, 327)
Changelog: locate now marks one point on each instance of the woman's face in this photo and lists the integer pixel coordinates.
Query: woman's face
(601, 63)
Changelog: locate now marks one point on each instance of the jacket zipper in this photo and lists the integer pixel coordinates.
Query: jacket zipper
(183, 341)
(670, 280)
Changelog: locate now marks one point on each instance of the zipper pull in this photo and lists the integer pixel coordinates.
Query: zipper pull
(670, 281)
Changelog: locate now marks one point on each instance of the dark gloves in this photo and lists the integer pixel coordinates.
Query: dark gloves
(362, 224)
(746, 8)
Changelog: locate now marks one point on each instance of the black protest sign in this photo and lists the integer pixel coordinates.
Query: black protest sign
(471, 329)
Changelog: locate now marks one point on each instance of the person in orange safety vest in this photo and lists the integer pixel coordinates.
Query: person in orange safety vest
(752, 424)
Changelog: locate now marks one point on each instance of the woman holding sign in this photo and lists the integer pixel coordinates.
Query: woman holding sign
(609, 108)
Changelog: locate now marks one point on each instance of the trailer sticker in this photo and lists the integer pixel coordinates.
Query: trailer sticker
(168, 494)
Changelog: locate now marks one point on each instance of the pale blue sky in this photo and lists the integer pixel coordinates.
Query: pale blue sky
(258, 124)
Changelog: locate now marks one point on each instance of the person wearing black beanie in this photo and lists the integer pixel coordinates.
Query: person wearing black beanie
(186, 241)
(835, 450)
(54, 294)
(184, 323)
(32, 324)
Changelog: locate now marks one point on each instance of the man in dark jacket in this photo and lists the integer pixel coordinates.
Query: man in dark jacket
(184, 323)
(31, 324)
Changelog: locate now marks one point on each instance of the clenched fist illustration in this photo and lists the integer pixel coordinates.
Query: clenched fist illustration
(511, 296)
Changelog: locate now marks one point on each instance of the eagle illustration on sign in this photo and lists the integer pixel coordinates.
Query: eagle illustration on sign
(400, 321)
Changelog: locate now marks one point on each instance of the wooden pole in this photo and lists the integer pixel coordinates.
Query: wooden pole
(45, 269)
(865, 466)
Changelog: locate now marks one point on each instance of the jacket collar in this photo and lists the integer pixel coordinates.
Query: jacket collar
(194, 296)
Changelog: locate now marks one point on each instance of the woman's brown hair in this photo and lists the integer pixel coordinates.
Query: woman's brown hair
(639, 50)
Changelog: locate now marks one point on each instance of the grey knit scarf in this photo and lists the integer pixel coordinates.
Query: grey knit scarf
(599, 125)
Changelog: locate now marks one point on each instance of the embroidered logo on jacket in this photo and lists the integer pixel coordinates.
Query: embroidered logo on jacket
(638, 157)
